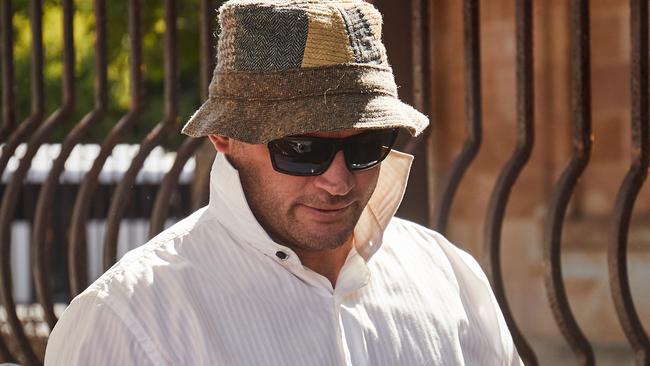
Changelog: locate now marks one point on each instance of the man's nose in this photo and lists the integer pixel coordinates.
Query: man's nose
(337, 179)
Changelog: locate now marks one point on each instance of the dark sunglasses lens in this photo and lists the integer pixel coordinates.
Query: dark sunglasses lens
(300, 156)
(369, 149)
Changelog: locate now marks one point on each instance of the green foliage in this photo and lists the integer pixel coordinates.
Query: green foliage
(152, 28)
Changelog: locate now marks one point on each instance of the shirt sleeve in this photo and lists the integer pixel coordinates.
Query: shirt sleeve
(91, 333)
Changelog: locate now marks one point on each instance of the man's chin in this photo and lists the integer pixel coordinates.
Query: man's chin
(316, 230)
(323, 238)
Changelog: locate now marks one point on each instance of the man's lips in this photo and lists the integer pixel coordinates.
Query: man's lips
(330, 208)
(327, 211)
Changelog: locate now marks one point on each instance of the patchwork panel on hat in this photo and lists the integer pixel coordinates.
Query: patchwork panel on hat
(269, 38)
(226, 45)
(327, 39)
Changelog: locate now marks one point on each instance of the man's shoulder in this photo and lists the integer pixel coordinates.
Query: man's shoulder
(159, 278)
(404, 236)
(165, 252)
(409, 233)
(404, 224)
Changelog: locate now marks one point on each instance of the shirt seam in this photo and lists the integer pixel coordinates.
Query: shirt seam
(140, 337)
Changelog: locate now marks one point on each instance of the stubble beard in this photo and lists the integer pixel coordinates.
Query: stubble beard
(330, 236)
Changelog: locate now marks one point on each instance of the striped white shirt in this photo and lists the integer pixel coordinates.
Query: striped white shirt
(211, 291)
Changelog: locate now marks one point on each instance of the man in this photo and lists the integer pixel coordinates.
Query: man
(297, 259)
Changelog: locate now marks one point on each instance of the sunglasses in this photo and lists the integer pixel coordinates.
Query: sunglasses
(309, 156)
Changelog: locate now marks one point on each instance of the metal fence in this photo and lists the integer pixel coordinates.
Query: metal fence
(35, 129)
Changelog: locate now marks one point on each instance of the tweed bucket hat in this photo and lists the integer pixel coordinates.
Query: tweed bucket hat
(298, 66)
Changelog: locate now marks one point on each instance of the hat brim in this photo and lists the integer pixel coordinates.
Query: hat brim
(260, 121)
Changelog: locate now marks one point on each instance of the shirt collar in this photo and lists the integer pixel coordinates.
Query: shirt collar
(228, 202)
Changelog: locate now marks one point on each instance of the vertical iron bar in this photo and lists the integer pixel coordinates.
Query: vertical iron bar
(421, 68)
(207, 16)
(8, 106)
(512, 169)
(46, 194)
(120, 197)
(8, 149)
(473, 112)
(419, 32)
(77, 263)
(7, 65)
(207, 25)
(627, 194)
(37, 86)
(581, 109)
(11, 193)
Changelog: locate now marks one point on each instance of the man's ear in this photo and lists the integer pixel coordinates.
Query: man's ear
(221, 143)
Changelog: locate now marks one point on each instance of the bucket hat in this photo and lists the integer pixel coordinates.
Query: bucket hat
(300, 66)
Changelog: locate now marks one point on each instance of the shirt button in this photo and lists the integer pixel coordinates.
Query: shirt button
(282, 255)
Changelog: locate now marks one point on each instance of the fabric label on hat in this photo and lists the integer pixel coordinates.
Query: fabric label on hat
(362, 39)
(269, 38)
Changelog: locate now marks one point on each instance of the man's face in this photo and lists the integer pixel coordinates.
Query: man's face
(307, 213)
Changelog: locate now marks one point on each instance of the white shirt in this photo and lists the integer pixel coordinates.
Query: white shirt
(211, 291)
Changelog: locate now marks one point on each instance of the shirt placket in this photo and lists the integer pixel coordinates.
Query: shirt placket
(344, 351)
(353, 276)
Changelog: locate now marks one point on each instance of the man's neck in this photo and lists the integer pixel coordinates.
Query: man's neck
(327, 263)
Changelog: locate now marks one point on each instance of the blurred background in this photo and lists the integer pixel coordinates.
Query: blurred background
(455, 60)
